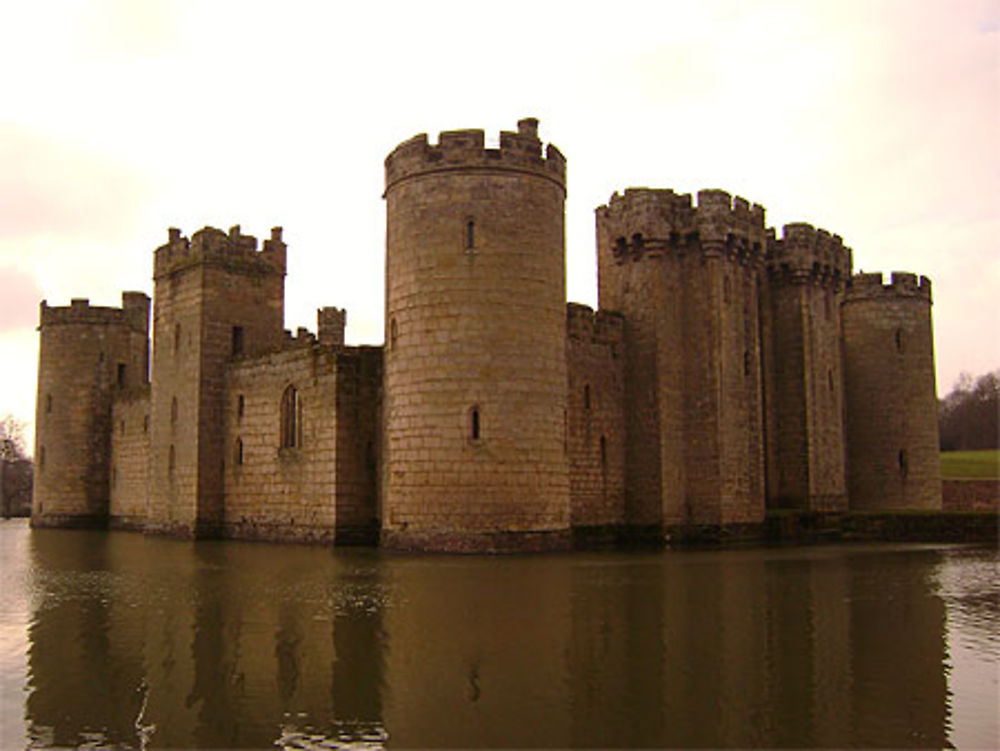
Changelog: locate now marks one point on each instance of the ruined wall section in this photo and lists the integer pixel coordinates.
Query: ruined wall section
(475, 383)
(87, 354)
(892, 431)
(130, 434)
(687, 279)
(595, 417)
(216, 297)
(808, 270)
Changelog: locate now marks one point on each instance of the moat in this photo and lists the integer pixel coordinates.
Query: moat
(120, 640)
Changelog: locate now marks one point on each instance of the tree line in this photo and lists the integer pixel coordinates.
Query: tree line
(969, 416)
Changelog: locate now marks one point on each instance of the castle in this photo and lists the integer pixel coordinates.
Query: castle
(728, 371)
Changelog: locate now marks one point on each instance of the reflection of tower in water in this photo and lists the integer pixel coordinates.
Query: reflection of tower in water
(233, 644)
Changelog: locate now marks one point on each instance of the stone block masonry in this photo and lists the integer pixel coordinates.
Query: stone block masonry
(727, 372)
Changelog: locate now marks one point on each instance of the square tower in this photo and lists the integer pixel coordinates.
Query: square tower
(216, 297)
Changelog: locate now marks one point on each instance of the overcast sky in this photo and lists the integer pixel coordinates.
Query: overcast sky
(879, 121)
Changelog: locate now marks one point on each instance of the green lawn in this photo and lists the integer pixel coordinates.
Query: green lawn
(970, 464)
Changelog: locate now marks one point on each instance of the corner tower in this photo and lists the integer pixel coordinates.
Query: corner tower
(86, 354)
(475, 364)
(893, 458)
(216, 296)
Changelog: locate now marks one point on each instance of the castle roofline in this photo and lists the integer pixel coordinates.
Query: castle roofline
(134, 313)
(213, 246)
(645, 222)
(465, 150)
(806, 253)
(902, 285)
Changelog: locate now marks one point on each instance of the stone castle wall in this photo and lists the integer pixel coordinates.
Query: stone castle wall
(595, 402)
(475, 364)
(86, 354)
(130, 459)
(892, 430)
(807, 272)
(215, 296)
(686, 279)
(726, 371)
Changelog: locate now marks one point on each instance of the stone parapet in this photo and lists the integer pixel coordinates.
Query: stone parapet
(807, 254)
(134, 313)
(465, 149)
(602, 326)
(213, 246)
(902, 285)
(646, 223)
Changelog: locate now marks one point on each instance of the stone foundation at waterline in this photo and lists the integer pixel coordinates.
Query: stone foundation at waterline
(729, 370)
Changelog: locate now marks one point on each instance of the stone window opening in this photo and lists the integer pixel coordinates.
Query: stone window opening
(470, 234)
(121, 427)
(829, 379)
(746, 362)
(145, 424)
(240, 406)
(899, 340)
(904, 464)
(586, 397)
(475, 424)
(171, 461)
(41, 457)
(291, 418)
(604, 454)
(121, 375)
(393, 333)
(237, 342)
(177, 338)
(239, 452)
(48, 403)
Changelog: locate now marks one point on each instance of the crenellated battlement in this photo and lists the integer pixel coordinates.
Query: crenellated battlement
(211, 245)
(519, 151)
(603, 326)
(902, 285)
(647, 222)
(134, 313)
(806, 253)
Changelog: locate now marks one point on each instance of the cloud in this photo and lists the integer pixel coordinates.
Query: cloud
(19, 297)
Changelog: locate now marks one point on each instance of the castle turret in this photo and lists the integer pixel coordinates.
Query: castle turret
(807, 271)
(216, 297)
(687, 280)
(86, 355)
(892, 432)
(475, 368)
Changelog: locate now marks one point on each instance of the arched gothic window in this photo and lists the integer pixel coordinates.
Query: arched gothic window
(291, 418)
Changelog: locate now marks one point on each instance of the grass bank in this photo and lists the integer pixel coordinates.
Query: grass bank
(978, 465)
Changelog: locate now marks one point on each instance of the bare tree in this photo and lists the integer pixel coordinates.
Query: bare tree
(16, 469)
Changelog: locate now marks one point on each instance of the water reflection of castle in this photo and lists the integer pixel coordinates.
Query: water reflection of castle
(223, 645)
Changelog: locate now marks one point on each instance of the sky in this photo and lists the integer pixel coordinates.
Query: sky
(877, 120)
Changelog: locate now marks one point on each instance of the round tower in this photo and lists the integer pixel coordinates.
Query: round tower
(86, 354)
(893, 458)
(475, 369)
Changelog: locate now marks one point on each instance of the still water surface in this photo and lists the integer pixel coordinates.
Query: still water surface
(118, 640)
